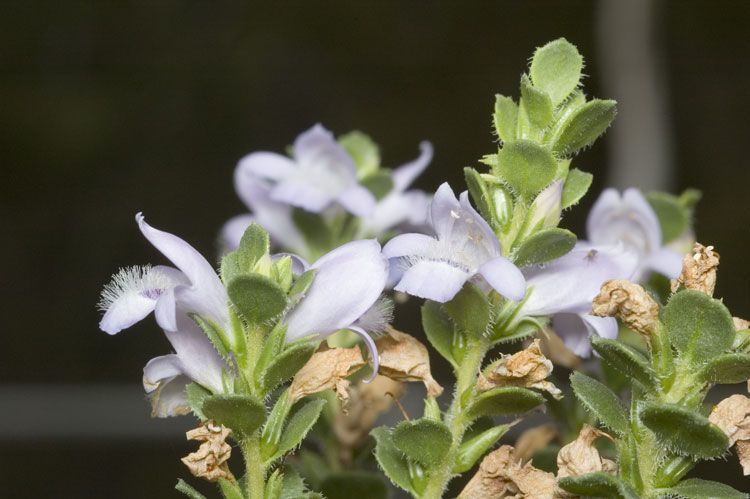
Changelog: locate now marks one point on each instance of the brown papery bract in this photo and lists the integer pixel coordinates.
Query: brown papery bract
(732, 415)
(698, 270)
(580, 456)
(210, 460)
(630, 303)
(404, 358)
(327, 369)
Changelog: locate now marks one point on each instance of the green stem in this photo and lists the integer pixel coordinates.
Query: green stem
(254, 468)
(466, 378)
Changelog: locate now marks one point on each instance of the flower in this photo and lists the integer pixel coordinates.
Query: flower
(401, 206)
(566, 287)
(630, 220)
(464, 248)
(174, 294)
(319, 174)
(346, 286)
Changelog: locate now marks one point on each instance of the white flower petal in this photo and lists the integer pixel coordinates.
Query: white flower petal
(263, 164)
(317, 146)
(170, 398)
(348, 281)
(444, 210)
(409, 245)
(199, 360)
(371, 347)
(504, 277)
(159, 369)
(433, 280)
(357, 200)
(232, 232)
(666, 262)
(404, 175)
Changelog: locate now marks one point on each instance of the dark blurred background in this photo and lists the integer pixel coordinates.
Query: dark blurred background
(109, 108)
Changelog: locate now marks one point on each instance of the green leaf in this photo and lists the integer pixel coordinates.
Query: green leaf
(359, 484)
(600, 401)
(469, 310)
(274, 484)
(424, 440)
(286, 364)
(293, 487)
(272, 347)
(583, 127)
(182, 486)
(196, 395)
(504, 401)
(576, 185)
(438, 329)
(300, 286)
(727, 369)
(625, 359)
(556, 69)
(536, 103)
(695, 488)
(391, 460)
(598, 484)
(526, 166)
(363, 150)
(685, 432)
(241, 413)
(378, 183)
(699, 327)
(480, 193)
(674, 217)
(256, 297)
(545, 246)
(298, 426)
(472, 449)
(281, 272)
(230, 490)
(505, 118)
(253, 246)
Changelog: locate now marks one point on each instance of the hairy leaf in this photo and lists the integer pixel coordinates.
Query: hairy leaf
(576, 185)
(583, 127)
(256, 297)
(727, 369)
(598, 399)
(505, 401)
(545, 246)
(684, 431)
(625, 359)
(505, 118)
(556, 69)
(390, 459)
(241, 413)
(526, 166)
(424, 440)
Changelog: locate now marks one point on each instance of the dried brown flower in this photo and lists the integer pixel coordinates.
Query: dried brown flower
(368, 400)
(580, 456)
(630, 303)
(404, 358)
(698, 270)
(501, 474)
(164, 403)
(528, 368)
(533, 440)
(732, 415)
(327, 369)
(210, 460)
(740, 324)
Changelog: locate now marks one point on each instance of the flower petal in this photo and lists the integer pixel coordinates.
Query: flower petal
(159, 369)
(575, 330)
(263, 164)
(169, 399)
(125, 312)
(409, 245)
(348, 281)
(472, 226)
(232, 232)
(301, 194)
(207, 293)
(433, 280)
(371, 347)
(357, 200)
(404, 175)
(317, 146)
(504, 277)
(444, 210)
(666, 262)
(571, 282)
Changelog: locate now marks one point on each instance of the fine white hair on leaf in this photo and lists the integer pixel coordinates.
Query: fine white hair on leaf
(377, 317)
(143, 280)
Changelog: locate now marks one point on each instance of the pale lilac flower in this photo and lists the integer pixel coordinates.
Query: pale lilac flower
(173, 294)
(343, 295)
(319, 174)
(464, 248)
(565, 288)
(401, 206)
(629, 219)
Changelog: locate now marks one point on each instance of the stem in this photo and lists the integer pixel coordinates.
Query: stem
(254, 468)
(466, 378)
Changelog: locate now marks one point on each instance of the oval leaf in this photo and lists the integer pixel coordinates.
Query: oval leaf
(727, 369)
(505, 118)
(576, 185)
(583, 126)
(597, 484)
(556, 69)
(287, 363)
(473, 448)
(698, 326)
(600, 401)
(424, 440)
(695, 488)
(391, 460)
(536, 103)
(256, 297)
(240, 413)
(505, 401)
(526, 166)
(684, 431)
(438, 329)
(674, 217)
(545, 246)
(480, 193)
(470, 310)
(624, 359)
(297, 427)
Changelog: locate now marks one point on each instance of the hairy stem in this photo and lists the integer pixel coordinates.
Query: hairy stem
(254, 468)
(466, 379)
